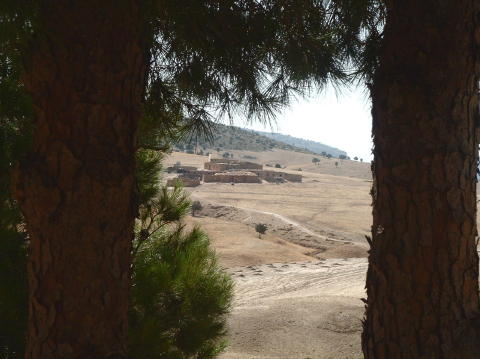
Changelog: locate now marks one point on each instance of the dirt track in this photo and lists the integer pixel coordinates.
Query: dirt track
(299, 288)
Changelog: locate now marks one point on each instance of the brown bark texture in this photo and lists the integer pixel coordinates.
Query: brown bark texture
(85, 71)
(422, 281)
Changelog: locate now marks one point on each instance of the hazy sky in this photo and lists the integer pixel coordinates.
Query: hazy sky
(336, 118)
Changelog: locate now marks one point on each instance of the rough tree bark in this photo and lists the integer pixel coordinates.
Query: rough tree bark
(85, 71)
(422, 282)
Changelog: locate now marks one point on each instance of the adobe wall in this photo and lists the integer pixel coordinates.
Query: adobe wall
(292, 177)
(271, 176)
(225, 166)
(231, 178)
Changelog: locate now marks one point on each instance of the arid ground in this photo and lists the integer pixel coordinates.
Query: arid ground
(298, 288)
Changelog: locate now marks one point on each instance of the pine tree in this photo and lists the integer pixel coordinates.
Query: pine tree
(92, 70)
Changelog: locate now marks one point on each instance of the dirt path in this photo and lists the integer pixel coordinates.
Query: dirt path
(292, 223)
(298, 310)
(320, 246)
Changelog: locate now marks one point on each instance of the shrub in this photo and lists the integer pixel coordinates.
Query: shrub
(261, 228)
(278, 165)
(180, 298)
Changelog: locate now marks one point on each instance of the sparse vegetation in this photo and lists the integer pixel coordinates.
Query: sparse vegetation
(235, 138)
(278, 165)
(316, 160)
(261, 228)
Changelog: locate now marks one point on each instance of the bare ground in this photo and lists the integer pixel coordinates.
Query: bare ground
(298, 289)
(298, 310)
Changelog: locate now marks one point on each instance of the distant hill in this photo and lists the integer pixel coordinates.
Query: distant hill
(236, 138)
(312, 146)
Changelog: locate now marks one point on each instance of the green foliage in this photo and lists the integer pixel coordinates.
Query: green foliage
(250, 56)
(315, 160)
(149, 165)
(168, 207)
(261, 228)
(278, 165)
(180, 296)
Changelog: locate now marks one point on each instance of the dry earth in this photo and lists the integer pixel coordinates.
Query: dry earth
(298, 310)
(298, 289)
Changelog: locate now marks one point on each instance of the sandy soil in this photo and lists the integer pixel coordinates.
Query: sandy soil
(298, 310)
(298, 289)
(232, 230)
(336, 207)
(238, 244)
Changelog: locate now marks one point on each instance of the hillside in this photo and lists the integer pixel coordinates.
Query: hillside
(308, 145)
(235, 138)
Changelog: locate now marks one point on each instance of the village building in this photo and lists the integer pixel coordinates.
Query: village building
(229, 171)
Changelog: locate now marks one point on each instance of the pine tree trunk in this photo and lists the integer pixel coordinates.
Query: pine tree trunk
(85, 71)
(422, 282)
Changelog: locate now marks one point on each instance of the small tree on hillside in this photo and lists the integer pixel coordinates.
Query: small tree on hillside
(355, 158)
(196, 206)
(336, 164)
(278, 165)
(316, 160)
(261, 228)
